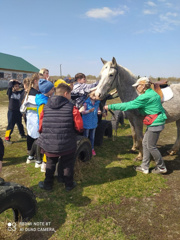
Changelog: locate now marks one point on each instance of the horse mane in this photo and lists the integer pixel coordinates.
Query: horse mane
(124, 84)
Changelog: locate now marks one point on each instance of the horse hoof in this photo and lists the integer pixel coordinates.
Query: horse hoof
(133, 151)
(137, 159)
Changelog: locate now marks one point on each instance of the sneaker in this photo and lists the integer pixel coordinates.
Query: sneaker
(158, 170)
(38, 164)
(43, 167)
(140, 169)
(70, 188)
(7, 141)
(93, 152)
(43, 186)
(30, 160)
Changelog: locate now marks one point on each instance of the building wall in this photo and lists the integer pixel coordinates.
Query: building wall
(8, 75)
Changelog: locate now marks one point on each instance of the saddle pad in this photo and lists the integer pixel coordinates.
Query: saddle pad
(167, 94)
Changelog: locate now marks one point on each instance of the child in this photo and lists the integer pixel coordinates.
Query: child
(90, 118)
(57, 82)
(70, 81)
(47, 89)
(81, 89)
(26, 83)
(29, 107)
(58, 138)
(44, 73)
(14, 114)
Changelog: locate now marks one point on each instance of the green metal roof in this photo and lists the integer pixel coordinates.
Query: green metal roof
(11, 62)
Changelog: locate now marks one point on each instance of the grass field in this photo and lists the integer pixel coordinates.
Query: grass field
(107, 188)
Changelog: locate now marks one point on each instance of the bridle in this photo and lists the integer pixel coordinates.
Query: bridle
(111, 86)
(114, 76)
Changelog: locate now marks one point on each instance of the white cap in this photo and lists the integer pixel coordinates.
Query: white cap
(142, 80)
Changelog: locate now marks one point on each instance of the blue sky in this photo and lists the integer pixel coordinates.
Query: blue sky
(143, 36)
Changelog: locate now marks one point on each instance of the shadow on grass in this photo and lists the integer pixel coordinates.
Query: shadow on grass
(13, 161)
(172, 162)
(52, 206)
(56, 202)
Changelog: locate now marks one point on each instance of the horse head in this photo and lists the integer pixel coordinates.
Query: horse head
(108, 76)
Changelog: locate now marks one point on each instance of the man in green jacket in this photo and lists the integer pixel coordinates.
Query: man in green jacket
(148, 102)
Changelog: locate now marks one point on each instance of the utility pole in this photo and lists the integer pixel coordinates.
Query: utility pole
(60, 71)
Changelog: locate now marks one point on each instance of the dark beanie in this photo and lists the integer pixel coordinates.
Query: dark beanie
(45, 86)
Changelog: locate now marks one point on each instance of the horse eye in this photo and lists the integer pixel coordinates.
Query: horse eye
(111, 75)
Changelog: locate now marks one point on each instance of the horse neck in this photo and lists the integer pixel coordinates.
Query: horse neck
(124, 82)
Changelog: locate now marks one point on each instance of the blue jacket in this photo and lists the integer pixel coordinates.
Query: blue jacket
(90, 120)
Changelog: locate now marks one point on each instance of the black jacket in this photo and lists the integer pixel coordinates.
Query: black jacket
(58, 133)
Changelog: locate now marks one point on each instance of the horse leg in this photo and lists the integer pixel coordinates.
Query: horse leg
(139, 145)
(133, 149)
(176, 145)
(137, 135)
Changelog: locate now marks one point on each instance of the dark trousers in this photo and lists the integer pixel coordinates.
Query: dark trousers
(30, 141)
(65, 169)
(36, 151)
(15, 117)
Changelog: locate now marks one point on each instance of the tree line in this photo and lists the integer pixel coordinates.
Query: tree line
(93, 77)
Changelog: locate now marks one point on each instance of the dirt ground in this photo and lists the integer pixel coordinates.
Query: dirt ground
(3, 117)
(156, 217)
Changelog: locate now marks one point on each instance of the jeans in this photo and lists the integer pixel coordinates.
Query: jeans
(149, 148)
(90, 133)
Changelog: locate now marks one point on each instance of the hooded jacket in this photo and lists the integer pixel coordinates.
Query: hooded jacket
(147, 103)
(58, 132)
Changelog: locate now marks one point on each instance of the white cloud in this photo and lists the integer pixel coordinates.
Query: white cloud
(104, 13)
(166, 22)
(171, 14)
(149, 12)
(151, 4)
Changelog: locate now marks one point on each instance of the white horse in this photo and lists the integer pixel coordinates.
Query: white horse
(115, 76)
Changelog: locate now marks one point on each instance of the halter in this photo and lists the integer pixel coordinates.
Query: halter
(115, 74)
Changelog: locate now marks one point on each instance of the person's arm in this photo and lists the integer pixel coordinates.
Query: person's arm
(10, 86)
(40, 109)
(87, 87)
(139, 102)
(78, 122)
(41, 120)
(85, 111)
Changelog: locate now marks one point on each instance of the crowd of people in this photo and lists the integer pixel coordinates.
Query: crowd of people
(55, 113)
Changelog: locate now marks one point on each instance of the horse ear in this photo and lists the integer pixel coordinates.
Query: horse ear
(103, 61)
(114, 61)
